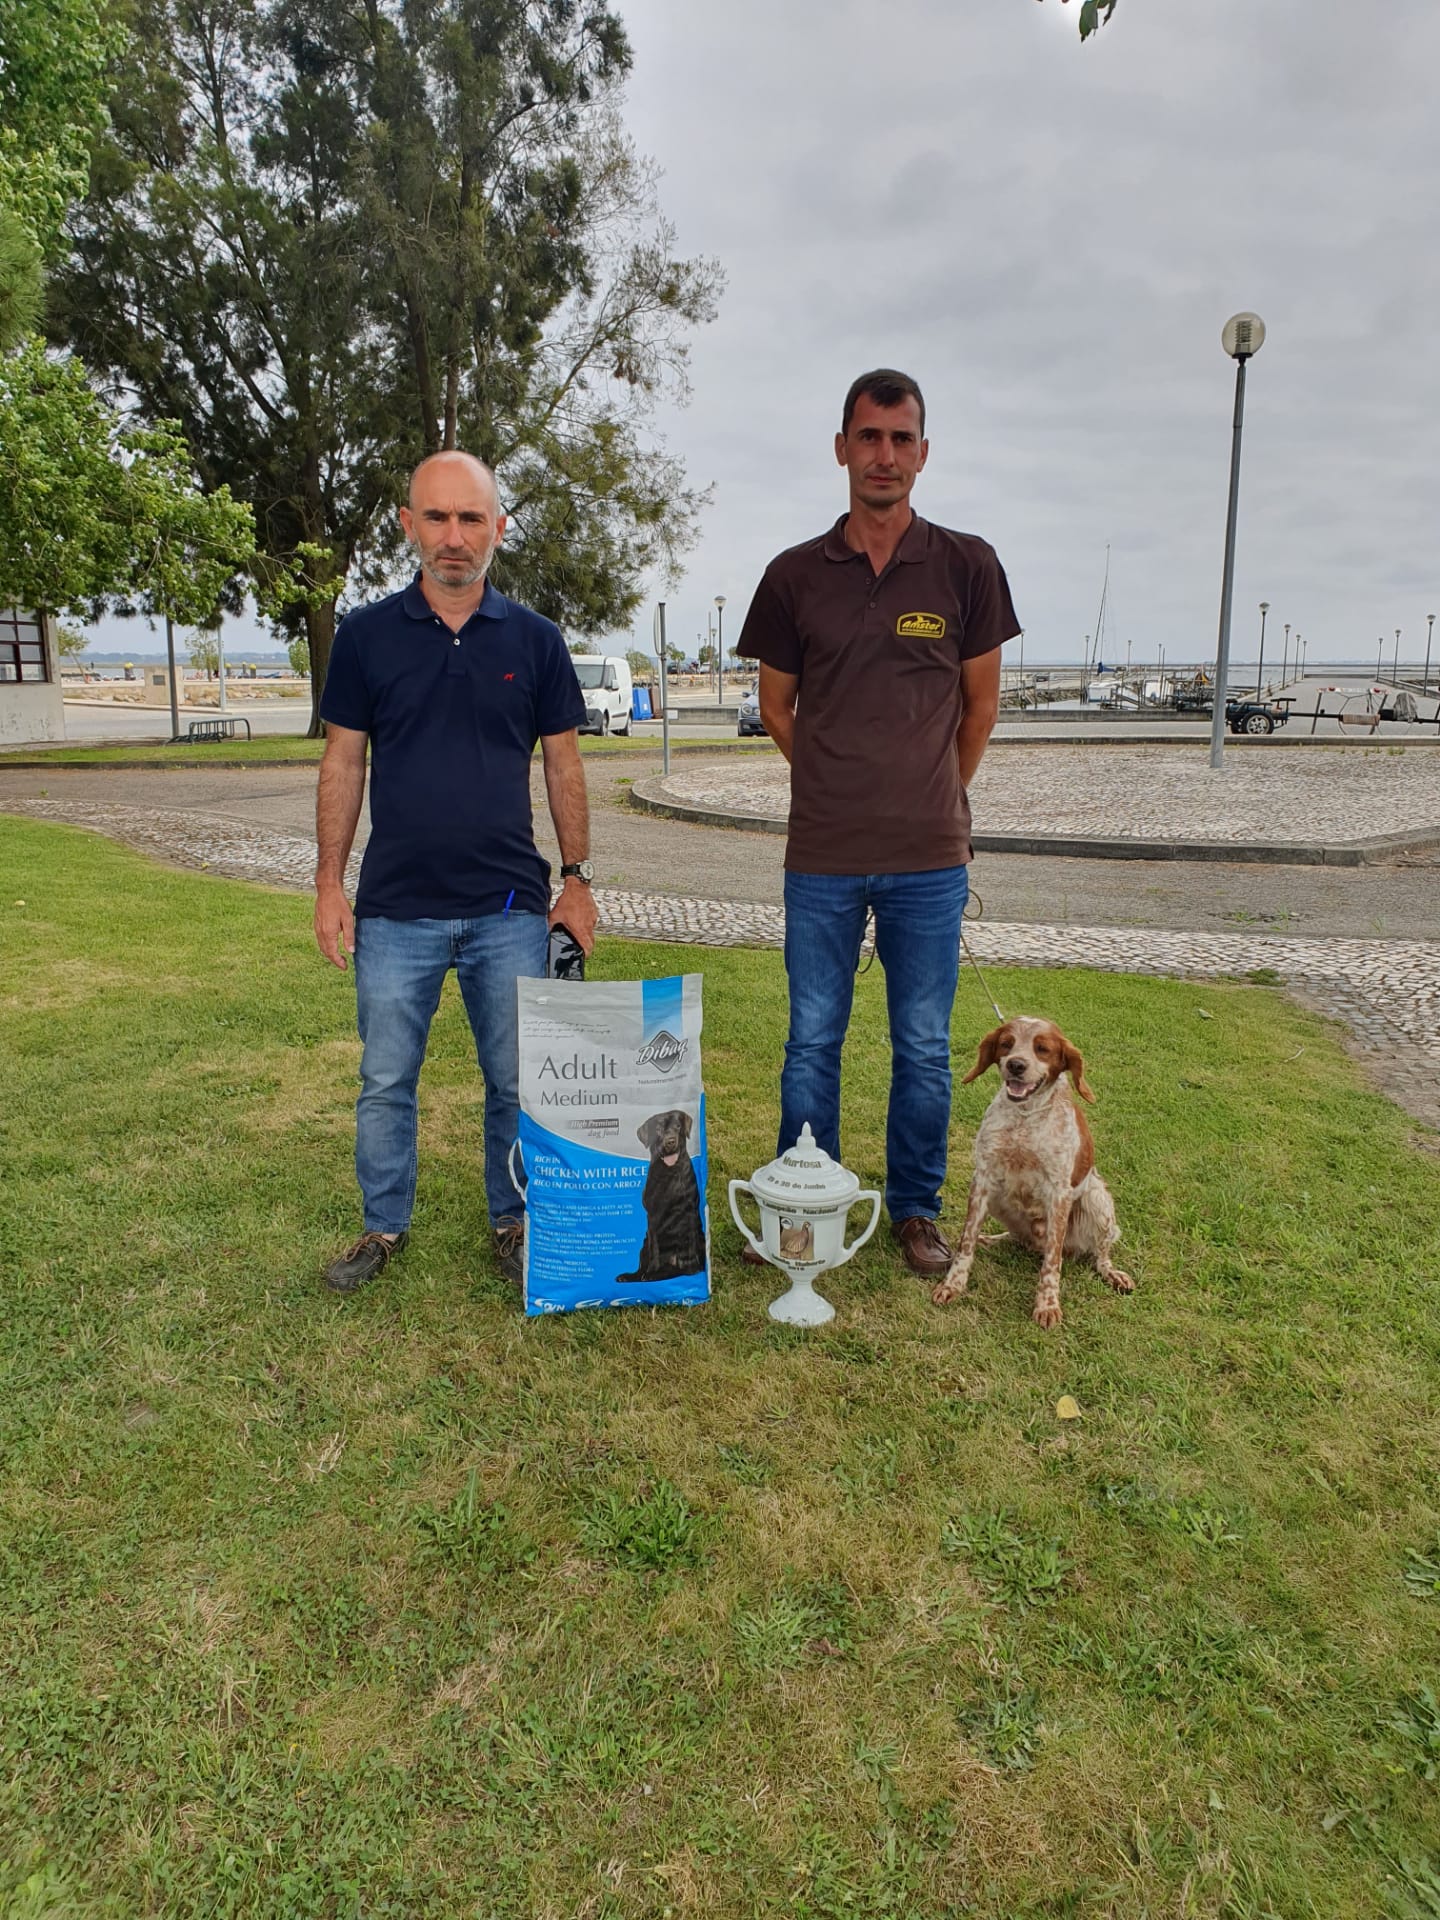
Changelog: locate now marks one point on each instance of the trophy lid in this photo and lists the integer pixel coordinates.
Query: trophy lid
(804, 1176)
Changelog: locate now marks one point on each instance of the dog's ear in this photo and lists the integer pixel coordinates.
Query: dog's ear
(1075, 1067)
(689, 1122)
(646, 1132)
(989, 1053)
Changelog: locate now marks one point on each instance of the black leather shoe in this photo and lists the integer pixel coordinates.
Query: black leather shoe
(510, 1248)
(349, 1271)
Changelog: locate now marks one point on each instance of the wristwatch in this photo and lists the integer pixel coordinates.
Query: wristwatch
(578, 870)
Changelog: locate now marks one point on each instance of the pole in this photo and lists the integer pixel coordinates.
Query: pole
(220, 659)
(174, 692)
(1222, 645)
(719, 651)
(1379, 657)
(1395, 670)
(664, 694)
(1430, 634)
(1260, 669)
(1285, 658)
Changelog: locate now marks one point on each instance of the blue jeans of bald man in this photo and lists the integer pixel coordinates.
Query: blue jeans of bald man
(917, 941)
(400, 967)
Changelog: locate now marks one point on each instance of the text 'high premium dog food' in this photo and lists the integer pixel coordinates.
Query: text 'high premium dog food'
(612, 1140)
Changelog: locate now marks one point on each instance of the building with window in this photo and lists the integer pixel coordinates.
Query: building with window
(31, 707)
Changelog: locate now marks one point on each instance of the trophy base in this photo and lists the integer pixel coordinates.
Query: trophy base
(802, 1306)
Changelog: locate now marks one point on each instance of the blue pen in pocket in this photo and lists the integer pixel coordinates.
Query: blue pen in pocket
(509, 902)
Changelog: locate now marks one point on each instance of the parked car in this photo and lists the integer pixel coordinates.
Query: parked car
(605, 681)
(1256, 716)
(748, 719)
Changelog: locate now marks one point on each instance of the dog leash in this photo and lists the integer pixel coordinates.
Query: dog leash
(978, 915)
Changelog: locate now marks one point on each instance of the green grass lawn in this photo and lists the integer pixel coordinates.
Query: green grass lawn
(407, 1605)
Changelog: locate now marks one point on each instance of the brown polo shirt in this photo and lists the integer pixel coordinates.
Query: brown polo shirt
(874, 784)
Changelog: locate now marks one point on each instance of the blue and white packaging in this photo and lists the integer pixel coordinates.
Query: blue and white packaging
(612, 1141)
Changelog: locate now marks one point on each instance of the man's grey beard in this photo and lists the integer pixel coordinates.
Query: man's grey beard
(465, 580)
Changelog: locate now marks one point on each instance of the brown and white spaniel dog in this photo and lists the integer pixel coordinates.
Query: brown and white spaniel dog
(1035, 1166)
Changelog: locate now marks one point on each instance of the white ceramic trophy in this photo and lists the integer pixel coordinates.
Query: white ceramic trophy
(804, 1199)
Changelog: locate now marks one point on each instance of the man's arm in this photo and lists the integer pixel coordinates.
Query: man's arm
(778, 694)
(337, 814)
(570, 811)
(980, 687)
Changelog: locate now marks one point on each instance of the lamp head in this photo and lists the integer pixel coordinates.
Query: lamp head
(1243, 335)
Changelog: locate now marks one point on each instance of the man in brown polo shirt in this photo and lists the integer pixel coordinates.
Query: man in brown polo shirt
(879, 649)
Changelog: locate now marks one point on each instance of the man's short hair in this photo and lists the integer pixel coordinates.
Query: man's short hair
(887, 388)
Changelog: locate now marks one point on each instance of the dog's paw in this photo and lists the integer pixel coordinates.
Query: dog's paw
(1121, 1282)
(1047, 1314)
(947, 1291)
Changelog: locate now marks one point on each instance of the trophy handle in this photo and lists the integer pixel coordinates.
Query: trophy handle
(874, 1221)
(744, 1186)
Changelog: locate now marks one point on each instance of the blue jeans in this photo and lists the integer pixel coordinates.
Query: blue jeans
(917, 939)
(400, 967)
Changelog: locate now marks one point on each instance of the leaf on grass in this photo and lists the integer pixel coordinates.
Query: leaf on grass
(1203, 1014)
(1067, 1408)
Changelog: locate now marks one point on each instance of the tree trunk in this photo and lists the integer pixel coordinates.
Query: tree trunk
(319, 632)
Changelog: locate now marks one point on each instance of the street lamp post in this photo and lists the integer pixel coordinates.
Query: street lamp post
(1303, 655)
(719, 649)
(1429, 636)
(1395, 670)
(1379, 657)
(1260, 669)
(1285, 658)
(1242, 337)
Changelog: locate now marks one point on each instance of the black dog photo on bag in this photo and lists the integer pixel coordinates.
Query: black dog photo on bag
(674, 1232)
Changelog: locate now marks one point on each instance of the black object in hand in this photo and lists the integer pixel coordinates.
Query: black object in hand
(565, 957)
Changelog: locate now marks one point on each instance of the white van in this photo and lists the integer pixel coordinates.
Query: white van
(606, 684)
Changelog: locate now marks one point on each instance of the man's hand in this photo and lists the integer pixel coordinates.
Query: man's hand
(334, 924)
(575, 908)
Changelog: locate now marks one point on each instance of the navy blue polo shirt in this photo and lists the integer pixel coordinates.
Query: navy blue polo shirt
(453, 719)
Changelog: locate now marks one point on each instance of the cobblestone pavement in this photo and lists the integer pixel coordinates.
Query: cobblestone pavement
(1386, 991)
(1153, 793)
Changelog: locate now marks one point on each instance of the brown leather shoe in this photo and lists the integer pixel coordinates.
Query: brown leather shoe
(349, 1271)
(924, 1246)
(751, 1258)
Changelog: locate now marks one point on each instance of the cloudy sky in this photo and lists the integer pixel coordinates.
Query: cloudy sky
(1050, 236)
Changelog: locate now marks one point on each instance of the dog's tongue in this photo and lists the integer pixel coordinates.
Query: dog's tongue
(669, 1158)
(1017, 1089)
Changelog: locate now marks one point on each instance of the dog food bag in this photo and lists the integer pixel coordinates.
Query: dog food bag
(612, 1142)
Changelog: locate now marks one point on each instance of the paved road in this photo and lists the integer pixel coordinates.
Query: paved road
(636, 851)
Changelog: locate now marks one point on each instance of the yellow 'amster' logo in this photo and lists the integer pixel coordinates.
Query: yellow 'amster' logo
(921, 626)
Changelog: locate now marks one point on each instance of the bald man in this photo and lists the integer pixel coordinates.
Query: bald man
(449, 685)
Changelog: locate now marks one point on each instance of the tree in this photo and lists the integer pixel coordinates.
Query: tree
(70, 642)
(204, 650)
(582, 646)
(53, 56)
(641, 665)
(327, 238)
(93, 511)
(1093, 15)
(299, 652)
